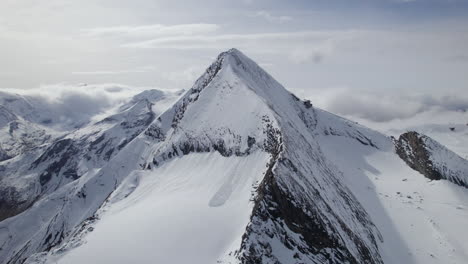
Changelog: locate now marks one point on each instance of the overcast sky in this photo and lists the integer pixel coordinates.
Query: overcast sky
(378, 60)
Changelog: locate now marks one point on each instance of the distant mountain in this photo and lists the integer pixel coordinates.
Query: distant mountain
(235, 170)
(35, 110)
(44, 163)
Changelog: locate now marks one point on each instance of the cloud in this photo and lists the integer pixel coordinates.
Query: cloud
(152, 30)
(185, 77)
(54, 92)
(115, 72)
(69, 106)
(378, 107)
(271, 18)
(315, 52)
(393, 113)
(212, 41)
(461, 58)
(446, 102)
(396, 113)
(297, 46)
(6, 73)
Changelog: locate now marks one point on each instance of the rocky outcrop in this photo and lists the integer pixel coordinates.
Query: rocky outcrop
(411, 148)
(3, 154)
(431, 159)
(11, 203)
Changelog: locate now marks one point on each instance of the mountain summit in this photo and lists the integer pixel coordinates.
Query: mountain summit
(236, 170)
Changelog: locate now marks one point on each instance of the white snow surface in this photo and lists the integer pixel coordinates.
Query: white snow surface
(421, 221)
(192, 209)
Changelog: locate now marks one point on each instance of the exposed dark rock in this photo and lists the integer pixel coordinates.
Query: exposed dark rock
(9, 208)
(155, 133)
(57, 148)
(411, 148)
(13, 126)
(96, 142)
(295, 97)
(4, 155)
(250, 141)
(276, 206)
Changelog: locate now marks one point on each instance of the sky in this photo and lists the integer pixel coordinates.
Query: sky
(382, 62)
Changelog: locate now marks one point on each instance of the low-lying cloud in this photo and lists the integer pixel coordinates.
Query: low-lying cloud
(69, 106)
(394, 112)
(378, 107)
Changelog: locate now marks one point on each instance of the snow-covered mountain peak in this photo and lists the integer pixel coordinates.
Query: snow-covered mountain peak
(237, 109)
(253, 75)
(286, 198)
(234, 77)
(233, 64)
(235, 170)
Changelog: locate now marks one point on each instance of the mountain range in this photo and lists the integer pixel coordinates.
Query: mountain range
(236, 169)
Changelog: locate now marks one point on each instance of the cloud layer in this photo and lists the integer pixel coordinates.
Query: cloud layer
(394, 113)
(384, 108)
(69, 106)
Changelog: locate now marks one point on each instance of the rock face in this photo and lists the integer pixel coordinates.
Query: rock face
(431, 159)
(412, 149)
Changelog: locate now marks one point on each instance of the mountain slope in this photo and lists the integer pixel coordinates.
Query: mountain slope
(19, 140)
(49, 180)
(208, 118)
(420, 220)
(18, 136)
(237, 170)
